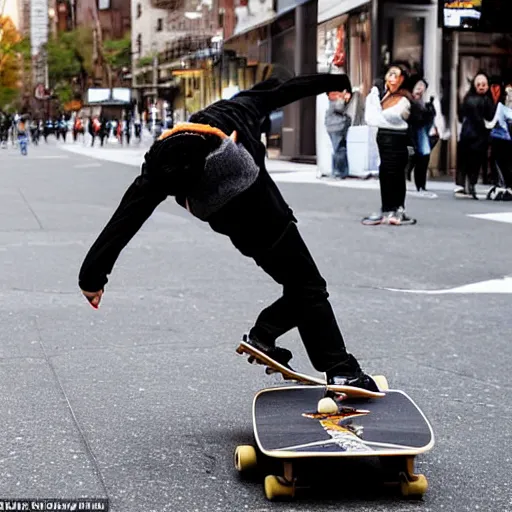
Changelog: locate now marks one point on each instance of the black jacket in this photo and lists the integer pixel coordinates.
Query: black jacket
(474, 110)
(255, 218)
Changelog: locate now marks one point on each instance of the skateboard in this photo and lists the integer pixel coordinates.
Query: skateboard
(292, 375)
(378, 220)
(289, 430)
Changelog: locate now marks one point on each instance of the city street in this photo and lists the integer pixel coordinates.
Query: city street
(143, 401)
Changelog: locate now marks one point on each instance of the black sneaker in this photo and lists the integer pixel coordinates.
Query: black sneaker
(350, 374)
(278, 354)
(358, 380)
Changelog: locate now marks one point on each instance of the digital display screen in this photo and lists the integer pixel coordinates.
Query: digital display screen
(462, 14)
(476, 15)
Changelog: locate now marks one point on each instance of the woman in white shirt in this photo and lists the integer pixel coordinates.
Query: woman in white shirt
(389, 111)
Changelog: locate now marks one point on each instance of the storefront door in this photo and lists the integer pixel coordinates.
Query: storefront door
(410, 33)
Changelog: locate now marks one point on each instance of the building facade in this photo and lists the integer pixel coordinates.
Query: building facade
(114, 16)
(174, 46)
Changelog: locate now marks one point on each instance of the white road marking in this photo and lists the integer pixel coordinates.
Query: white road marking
(500, 286)
(497, 217)
(50, 157)
(86, 166)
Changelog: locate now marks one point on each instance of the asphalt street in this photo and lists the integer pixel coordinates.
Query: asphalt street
(143, 401)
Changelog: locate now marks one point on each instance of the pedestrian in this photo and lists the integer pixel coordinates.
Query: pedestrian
(501, 146)
(388, 107)
(91, 130)
(490, 174)
(337, 123)
(214, 166)
(128, 131)
(103, 130)
(63, 127)
(78, 128)
(420, 136)
(138, 130)
(476, 108)
(47, 130)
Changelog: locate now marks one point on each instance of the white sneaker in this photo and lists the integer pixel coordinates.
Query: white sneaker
(427, 194)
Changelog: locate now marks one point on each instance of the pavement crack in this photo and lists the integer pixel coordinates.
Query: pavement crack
(31, 209)
(74, 417)
(461, 374)
(24, 358)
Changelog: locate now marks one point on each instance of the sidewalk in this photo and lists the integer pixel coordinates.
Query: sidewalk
(283, 171)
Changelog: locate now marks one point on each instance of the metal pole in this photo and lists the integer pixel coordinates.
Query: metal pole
(375, 39)
(454, 99)
(73, 21)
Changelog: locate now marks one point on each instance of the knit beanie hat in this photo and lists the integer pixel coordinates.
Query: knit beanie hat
(202, 163)
(178, 157)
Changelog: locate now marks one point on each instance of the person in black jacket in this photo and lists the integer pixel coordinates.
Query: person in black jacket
(214, 166)
(477, 108)
(419, 128)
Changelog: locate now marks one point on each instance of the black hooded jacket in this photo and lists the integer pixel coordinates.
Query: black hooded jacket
(473, 112)
(253, 220)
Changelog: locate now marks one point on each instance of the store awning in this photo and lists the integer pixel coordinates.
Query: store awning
(328, 9)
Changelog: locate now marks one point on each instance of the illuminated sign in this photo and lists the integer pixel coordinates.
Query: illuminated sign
(462, 14)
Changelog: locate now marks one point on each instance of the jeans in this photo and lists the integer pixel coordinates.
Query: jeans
(339, 155)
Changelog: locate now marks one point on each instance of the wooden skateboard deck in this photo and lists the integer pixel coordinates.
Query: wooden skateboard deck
(288, 429)
(289, 374)
(286, 425)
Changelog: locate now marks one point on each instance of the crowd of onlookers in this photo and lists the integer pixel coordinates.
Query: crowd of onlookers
(409, 123)
(485, 140)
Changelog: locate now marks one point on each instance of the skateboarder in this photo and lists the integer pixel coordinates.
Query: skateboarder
(214, 166)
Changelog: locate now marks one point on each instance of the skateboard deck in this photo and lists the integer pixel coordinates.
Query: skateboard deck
(286, 425)
(288, 429)
(289, 374)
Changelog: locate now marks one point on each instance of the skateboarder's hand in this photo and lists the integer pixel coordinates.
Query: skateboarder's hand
(94, 298)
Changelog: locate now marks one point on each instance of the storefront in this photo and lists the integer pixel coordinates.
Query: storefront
(409, 32)
(279, 37)
(344, 46)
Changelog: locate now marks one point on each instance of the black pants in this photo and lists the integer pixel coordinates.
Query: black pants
(260, 224)
(393, 161)
(420, 165)
(502, 150)
(470, 161)
(304, 303)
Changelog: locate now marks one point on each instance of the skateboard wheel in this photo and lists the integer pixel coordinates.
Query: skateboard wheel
(327, 406)
(276, 488)
(381, 381)
(413, 488)
(245, 458)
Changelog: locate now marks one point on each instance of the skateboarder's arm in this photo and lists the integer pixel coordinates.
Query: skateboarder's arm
(263, 101)
(137, 204)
